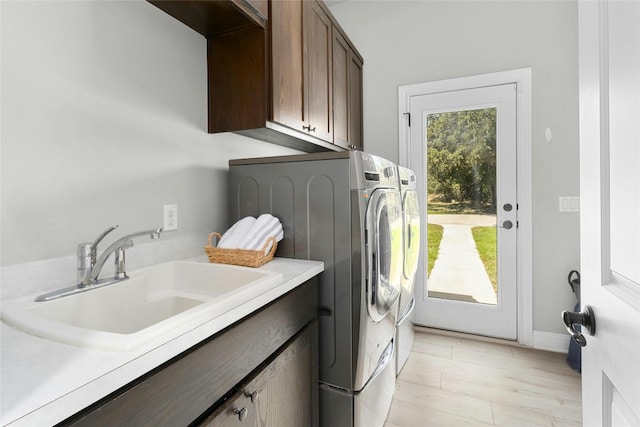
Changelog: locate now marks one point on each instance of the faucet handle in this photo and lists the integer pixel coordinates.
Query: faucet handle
(94, 245)
(84, 254)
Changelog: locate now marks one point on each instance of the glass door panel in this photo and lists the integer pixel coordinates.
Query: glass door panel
(461, 205)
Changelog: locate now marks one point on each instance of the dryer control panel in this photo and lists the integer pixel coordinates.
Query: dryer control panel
(373, 171)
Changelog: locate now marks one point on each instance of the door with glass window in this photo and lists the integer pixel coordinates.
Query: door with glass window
(463, 146)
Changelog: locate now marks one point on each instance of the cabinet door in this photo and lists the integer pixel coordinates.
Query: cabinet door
(318, 72)
(347, 94)
(283, 394)
(341, 67)
(355, 103)
(287, 64)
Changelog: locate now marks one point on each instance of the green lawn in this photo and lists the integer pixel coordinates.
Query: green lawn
(458, 208)
(434, 235)
(485, 238)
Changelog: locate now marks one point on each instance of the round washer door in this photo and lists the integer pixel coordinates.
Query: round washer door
(384, 252)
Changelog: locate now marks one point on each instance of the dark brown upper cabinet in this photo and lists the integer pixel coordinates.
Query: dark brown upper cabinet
(318, 91)
(275, 80)
(347, 94)
(301, 69)
(287, 58)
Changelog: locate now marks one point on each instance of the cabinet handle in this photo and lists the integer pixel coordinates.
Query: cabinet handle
(252, 396)
(241, 413)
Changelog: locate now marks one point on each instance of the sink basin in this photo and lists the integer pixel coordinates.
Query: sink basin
(152, 302)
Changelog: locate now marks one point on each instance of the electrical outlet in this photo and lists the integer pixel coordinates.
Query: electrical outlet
(170, 217)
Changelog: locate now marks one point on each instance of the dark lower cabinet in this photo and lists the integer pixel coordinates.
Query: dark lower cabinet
(279, 395)
(262, 370)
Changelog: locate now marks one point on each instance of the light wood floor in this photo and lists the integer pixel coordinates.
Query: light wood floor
(460, 381)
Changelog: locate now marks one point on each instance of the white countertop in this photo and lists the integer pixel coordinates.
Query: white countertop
(43, 382)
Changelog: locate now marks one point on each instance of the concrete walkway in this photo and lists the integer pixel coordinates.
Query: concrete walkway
(458, 272)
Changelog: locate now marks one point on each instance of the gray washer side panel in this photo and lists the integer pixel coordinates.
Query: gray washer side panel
(314, 203)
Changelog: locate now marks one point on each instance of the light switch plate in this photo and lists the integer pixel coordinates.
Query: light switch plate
(569, 203)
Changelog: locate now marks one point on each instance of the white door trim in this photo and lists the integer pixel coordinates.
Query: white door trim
(522, 78)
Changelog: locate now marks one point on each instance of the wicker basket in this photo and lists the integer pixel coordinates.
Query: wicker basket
(247, 258)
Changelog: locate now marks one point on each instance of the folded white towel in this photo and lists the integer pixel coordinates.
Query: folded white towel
(265, 226)
(234, 236)
(227, 233)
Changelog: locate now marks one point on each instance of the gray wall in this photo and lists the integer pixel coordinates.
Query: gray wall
(104, 117)
(420, 41)
(103, 122)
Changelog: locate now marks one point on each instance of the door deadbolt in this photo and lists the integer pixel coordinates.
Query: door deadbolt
(507, 207)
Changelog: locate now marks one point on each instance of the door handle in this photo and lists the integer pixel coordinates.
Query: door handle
(507, 225)
(585, 319)
(374, 279)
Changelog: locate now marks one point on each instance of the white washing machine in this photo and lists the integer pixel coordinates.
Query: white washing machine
(343, 209)
(411, 254)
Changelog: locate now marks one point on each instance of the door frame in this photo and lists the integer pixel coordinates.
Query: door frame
(524, 261)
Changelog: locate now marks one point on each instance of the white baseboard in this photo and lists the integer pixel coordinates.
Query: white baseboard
(550, 341)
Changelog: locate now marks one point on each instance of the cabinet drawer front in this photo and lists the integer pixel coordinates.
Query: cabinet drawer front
(181, 390)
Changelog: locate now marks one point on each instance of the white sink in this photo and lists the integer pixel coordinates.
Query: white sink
(152, 302)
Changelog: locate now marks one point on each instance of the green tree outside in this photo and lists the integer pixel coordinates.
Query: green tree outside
(461, 157)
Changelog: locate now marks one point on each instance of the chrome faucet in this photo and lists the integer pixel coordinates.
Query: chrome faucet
(90, 265)
(117, 248)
